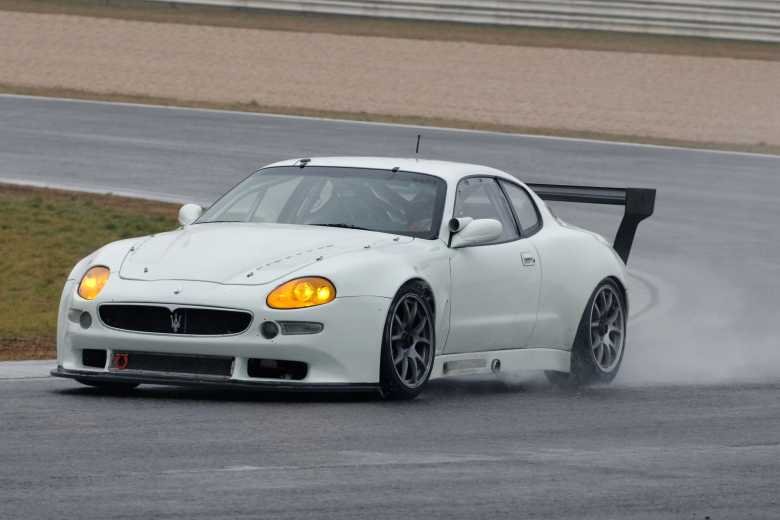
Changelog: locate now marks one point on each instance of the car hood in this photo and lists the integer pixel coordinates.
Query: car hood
(241, 253)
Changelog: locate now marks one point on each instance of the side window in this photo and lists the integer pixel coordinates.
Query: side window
(524, 207)
(480, 197)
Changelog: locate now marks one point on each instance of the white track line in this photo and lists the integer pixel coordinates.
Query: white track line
(16, 370)
(396, 125)
(144, 195)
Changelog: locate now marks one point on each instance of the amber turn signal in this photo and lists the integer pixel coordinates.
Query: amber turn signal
(93, 282)
(302, 292)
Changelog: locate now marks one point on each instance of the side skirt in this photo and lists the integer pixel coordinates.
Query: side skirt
(496, 361)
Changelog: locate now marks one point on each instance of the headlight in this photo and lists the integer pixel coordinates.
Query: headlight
(93, 282)
(302, 292)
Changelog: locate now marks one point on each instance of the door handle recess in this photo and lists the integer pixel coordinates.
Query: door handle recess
(528, 260)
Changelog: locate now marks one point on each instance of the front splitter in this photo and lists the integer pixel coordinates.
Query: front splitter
(171, 379)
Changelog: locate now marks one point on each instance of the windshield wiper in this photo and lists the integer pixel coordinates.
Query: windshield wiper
(342, 225)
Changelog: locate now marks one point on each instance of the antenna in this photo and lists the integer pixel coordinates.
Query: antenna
(417, 150)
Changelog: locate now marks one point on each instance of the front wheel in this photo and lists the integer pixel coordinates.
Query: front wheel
(601, 339)
(408, 344)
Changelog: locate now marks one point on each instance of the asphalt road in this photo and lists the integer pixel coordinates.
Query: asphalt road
(690, 430)
(477, 450)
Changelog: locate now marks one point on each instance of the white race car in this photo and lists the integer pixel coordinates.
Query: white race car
(345, 273)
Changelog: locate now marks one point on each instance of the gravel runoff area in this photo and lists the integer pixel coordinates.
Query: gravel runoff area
(648, 96)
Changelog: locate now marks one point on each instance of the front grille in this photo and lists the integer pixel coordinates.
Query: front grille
(182, 320)
(173, 363)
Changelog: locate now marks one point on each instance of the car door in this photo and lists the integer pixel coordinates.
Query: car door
(495, 286)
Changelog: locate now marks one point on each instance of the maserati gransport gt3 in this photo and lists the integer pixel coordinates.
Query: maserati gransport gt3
(348, 273)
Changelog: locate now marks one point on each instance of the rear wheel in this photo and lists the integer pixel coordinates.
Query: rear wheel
(109, 386)
(601, 338)
(408, 344)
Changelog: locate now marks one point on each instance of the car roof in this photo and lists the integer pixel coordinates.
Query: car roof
(449, 171)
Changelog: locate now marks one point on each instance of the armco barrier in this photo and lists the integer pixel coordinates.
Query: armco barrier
(757, 20)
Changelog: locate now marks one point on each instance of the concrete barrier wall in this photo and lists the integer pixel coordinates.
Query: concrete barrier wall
(757, 20)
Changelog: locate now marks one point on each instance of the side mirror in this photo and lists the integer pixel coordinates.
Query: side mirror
(475, 232)
(189, 213)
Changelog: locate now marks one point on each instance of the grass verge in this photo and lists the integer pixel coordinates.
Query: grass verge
(43, 233)
(382, 118)
(422, 30)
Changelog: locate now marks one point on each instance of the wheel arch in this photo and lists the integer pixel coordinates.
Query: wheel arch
(620, 285)
(430, 296)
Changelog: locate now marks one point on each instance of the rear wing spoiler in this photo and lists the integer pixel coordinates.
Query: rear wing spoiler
(639, 204)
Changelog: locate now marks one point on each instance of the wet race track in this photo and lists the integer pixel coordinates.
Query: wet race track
(690, 429)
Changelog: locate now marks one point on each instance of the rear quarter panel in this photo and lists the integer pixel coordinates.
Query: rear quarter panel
(574, 262)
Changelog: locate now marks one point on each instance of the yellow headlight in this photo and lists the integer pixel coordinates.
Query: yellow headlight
(93, 282)
(302, 292)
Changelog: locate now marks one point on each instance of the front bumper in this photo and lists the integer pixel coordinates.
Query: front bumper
(344, 355)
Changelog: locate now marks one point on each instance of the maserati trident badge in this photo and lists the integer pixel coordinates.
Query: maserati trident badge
(175, 322)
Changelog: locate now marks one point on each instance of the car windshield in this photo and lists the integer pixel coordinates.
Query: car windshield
(402, 203)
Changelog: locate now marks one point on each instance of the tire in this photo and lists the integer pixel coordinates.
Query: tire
(109, 386)
(408, 344)
(594, 360)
